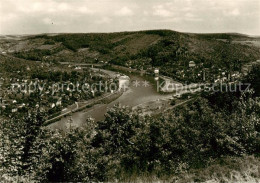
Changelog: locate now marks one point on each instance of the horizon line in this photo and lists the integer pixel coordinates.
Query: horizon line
(108, 32)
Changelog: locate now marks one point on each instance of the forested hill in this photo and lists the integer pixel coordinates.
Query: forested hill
(143, 49)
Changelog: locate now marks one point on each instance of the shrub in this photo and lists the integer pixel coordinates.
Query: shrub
(173, 102)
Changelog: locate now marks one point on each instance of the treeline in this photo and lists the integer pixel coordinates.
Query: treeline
(58, 76)
(37, 54)
(223, 36)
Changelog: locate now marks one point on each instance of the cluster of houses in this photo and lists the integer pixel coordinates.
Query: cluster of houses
(199, 73)
(50, 94)
(14, 96)
(246, 68)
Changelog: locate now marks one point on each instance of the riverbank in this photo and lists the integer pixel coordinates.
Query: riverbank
(136, 93)
(87, 104)
(142, 94)
(134, 72)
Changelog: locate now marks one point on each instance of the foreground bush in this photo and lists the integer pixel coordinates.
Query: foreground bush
(188, 137)
(228, 169)
(126, 145)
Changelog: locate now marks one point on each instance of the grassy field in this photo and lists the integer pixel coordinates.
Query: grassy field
(225, 170)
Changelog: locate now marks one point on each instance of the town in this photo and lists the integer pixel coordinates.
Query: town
(129, 91)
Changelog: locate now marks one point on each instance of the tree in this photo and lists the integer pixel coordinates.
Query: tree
(67, 156)
(114, 137)
(253, 78)
(17, 137)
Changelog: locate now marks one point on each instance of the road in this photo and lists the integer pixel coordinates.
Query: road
(75, 107)
(134, 95)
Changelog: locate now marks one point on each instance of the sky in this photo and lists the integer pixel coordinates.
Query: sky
(73, 16)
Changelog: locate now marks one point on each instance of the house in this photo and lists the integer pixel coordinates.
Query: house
(192, 64)
(77, 68)
(52, 105)
(58, 103)
(21, 105)
(124, 82)
(14, 110)
(2, 106)
(156, 71)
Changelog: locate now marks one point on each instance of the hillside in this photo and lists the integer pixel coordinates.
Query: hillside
(143, 49)
(191, 137)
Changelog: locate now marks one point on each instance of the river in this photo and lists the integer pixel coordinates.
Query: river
(138, 92)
